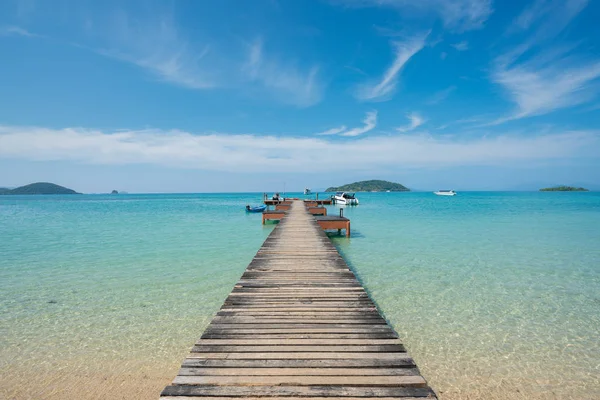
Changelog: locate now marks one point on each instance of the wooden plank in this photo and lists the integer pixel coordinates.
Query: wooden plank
(402, 361)
(273, 342)
(388, 348)
(243, 321)
(280, 398)
(297, 355)
(305, 335)
(301, 308)
(266, 380)
(301, 325)
(236, 330)
(300, 314)
(191, 371)
(299, 391)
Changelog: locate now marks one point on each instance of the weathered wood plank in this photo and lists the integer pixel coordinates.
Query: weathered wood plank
(301, 325)
(402, 361)
(269, 380)
(312, 342)
(301, 307)
(261, 320)
(388, 348)
(305, 335)
(191, 371)
(299, 391)
(281, 398)
(255, 331)
(297, 355)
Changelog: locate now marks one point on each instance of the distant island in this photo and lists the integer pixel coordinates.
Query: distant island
(38, 188)
(114, 192)
(370, 186)
(564, 189)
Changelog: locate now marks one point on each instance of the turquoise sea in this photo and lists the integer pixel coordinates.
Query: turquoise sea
(496, 294)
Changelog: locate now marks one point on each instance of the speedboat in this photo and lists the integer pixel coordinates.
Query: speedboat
(345, 199)
(445, 193)
(307, 191)
(256, 209)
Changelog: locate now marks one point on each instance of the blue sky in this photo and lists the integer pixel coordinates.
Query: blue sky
(186, 96)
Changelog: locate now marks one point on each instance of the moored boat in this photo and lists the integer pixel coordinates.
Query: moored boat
(255, 209)
(445, 193)
(307, 191)
(348, 199)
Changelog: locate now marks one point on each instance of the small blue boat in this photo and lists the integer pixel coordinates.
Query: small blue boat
(256, 209)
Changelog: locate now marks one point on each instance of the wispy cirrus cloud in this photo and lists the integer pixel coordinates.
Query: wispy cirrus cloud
(256, 153)
(332, 131)
(550, 17)
(541, 75)
(440, 96)
(155, 44)
(10, 30)
(287, 82)
(370, 122)
(384, 88)
(461, 46)
(415, 119)
(456, 15)
(542, 85)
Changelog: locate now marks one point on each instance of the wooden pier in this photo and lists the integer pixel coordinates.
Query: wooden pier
(315, 202)
(298, 325)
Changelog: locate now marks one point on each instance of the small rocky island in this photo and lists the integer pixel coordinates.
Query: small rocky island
(114, 192)
(38, 188)
(370, 186)
(564, 189)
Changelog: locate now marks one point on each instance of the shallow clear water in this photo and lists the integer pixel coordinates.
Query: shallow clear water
(495, 293)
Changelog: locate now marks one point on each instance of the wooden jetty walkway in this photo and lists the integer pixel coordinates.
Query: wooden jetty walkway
(298, 325)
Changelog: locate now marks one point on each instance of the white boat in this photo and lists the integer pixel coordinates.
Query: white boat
(445, 193)
(345, 198)
(307, 191)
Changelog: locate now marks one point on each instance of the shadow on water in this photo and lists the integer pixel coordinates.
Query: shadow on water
(341, 237)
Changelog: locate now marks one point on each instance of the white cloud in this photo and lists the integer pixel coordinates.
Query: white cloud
(457, 15)
(461, 121)
(155, 44)
(384, 88)
(461, 46)
(257, 153)
(546, 19)
(287, 82)
(440, 96)
(15, 31)
(370, 122)
(415, 121)
(541, 75)
(551, 16)
(539, 88)
(332, 131)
